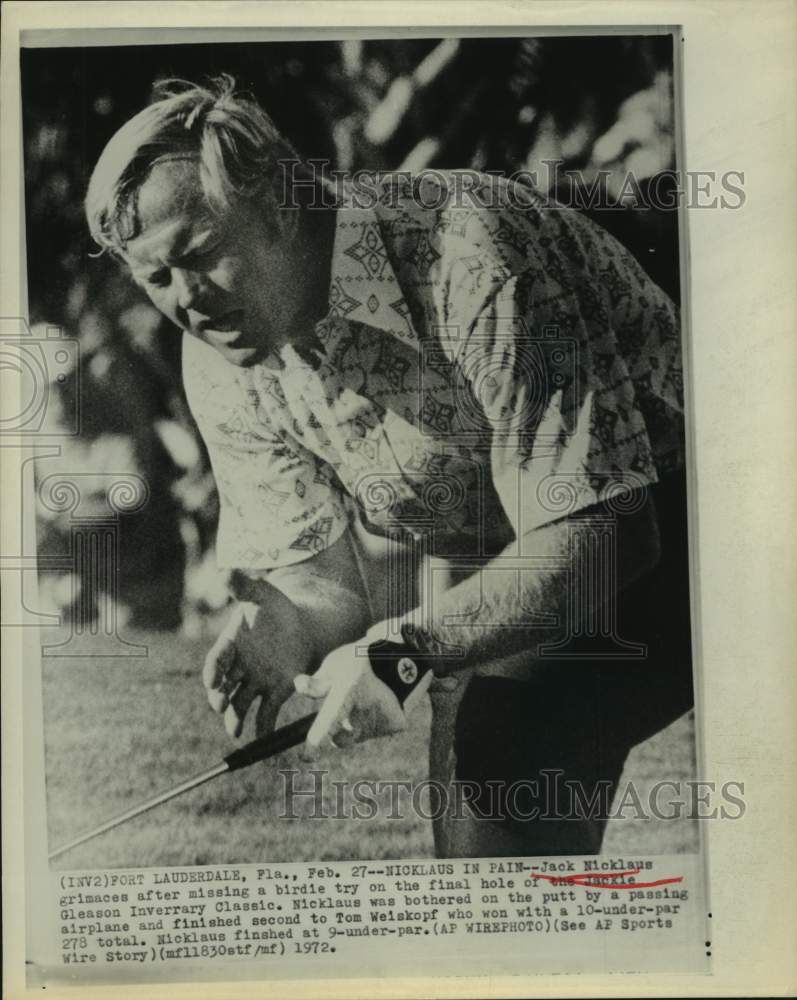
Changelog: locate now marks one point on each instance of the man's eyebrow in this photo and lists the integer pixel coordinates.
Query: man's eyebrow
(182, 250)
(185, 248)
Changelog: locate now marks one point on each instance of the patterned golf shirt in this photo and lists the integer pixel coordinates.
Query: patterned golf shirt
(488, 364)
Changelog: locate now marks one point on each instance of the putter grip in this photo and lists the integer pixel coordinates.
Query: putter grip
(390, 667)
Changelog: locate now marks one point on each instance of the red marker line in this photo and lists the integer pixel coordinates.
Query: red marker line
(593, 880)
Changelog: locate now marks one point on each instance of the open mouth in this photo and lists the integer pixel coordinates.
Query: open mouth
(227, 323)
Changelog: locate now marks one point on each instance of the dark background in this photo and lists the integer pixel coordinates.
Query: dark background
(494, 104)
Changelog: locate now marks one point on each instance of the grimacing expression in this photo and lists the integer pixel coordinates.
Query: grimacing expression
(227, 280)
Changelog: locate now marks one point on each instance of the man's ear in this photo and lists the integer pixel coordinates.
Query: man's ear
(287, 221)
(281, 221)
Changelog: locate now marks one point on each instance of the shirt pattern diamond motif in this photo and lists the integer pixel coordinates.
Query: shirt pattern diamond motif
(474, 355)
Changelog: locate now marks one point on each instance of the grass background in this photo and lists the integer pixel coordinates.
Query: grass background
(119, 729)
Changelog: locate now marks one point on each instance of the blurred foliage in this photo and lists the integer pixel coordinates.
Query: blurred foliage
(499, 104)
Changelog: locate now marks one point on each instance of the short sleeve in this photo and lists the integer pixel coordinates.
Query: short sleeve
(576, 365)
(278, 502)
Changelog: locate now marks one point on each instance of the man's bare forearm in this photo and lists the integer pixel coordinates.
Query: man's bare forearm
(514, 603)
(510, 605)
(326, 591)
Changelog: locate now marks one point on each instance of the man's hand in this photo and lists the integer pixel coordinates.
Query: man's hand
(261, 650)
(356, 705)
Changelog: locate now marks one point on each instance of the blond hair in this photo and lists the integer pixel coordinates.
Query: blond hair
(234, 142)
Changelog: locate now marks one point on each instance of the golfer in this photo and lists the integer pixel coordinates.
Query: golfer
(445, 419)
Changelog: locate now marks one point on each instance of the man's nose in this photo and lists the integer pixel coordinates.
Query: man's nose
(189, 288)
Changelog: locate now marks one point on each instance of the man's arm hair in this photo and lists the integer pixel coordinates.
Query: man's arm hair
(505, 609)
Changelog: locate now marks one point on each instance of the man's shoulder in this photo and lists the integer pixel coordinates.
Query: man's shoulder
(431, 188)
(456, 209)
(444, 200)
(441, 227)
(212, 385)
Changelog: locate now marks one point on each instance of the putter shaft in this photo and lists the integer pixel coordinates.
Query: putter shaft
(260, 749)
(390, 664)
(156, 800)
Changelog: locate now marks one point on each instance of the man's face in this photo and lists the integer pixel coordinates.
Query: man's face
(228, 280)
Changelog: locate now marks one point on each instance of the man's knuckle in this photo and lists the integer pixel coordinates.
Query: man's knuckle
(217, 700)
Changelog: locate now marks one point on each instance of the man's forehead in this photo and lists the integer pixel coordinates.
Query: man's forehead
(170, 207)
(172, 188)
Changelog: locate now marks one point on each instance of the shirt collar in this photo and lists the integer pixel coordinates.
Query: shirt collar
(363, 286)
